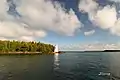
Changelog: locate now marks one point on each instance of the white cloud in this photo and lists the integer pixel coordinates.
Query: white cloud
(114, 0)
(37, 19)
(39, 33)
(116, 29)
(103, 17)
(102, 46)
(89, 33)
(106, 17)
(52, 17)
(92, 46)
(2, 38)
(26, 38)
(88, 5)
(16, 30)
(11, 29)
(3, 9)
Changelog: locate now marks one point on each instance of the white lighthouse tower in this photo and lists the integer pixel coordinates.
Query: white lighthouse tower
(56, 50)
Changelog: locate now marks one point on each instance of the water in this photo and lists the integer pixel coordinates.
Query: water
(67, 66)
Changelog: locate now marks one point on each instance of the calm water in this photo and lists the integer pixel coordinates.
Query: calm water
(68, 66)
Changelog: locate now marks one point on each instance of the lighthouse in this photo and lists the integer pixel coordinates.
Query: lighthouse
(56, 50)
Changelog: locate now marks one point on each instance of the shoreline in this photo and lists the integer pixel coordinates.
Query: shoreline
(23, 53)
(28, 53)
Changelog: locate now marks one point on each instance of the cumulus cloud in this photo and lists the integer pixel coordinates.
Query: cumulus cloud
(3, 9)
(106, 17)
(35, 19)
(3, 38)
(89, 33)
(88, 5)
(100, 46)
(103, 17)
(114, 0)
(15, 30)
(11, 29)
(52, 17)
(92, 46)
(26, 38)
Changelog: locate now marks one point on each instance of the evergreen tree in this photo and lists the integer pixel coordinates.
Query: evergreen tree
(18, 46)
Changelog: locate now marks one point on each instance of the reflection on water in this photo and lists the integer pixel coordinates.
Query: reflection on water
(115, 65)
(56, 61)
(26, 67)
(68, 66)
(88, 66)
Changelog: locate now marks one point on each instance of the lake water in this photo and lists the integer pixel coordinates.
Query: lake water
(67, 66)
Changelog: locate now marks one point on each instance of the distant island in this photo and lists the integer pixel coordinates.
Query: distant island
(104, 51)
(90, 51)
(21, 47)
(111, 51)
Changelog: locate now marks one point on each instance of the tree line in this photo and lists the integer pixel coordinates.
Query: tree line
(21, 46)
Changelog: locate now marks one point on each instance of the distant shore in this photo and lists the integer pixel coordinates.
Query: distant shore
(104, 51)
(91, 51)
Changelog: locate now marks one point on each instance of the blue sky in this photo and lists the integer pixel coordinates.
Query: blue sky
(100, 35)
(62, 22)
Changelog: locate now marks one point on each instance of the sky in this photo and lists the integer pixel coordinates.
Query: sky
(72, 24)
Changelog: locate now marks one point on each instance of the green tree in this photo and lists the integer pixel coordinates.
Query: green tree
(16, 46)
